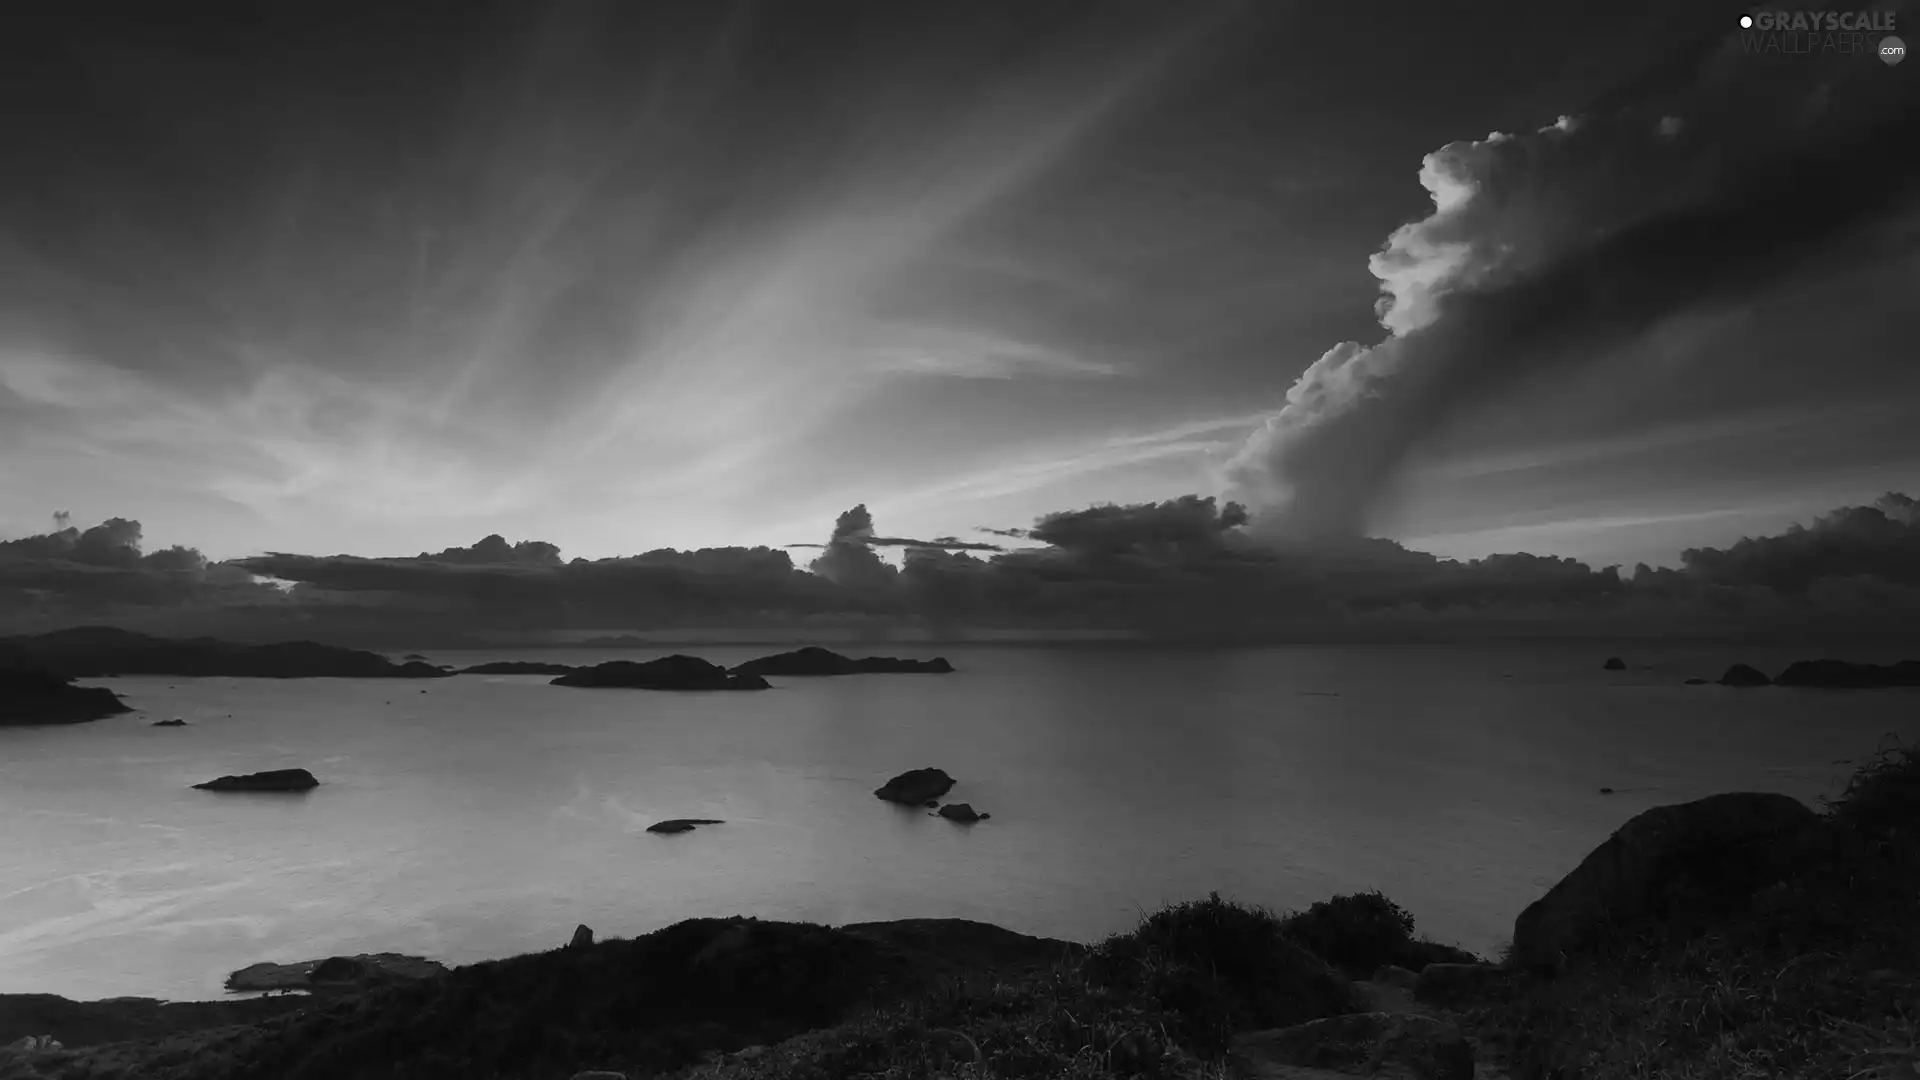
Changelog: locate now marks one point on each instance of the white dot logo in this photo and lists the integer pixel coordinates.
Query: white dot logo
(1746, 22)
(1892, 50)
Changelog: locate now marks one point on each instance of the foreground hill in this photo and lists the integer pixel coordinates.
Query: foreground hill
(96, 651)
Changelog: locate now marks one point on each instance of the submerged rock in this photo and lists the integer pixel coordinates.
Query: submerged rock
(682, 824)
(36, 696)
(1671, 861)
(271, 780)
(962, 812)
(1842, 675)
(667, 673)
(519, 667)
(915, 786)
(1742, 675)
(814, 660)
(1614, 663)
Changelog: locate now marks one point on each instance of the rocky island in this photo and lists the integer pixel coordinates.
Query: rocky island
(518, 667)
(271, 780)
(1842, 675)
(813, 660)
(36, 696)
(93, 651)
(667, 673)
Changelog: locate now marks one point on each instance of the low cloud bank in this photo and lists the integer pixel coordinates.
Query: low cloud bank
(1184, 569)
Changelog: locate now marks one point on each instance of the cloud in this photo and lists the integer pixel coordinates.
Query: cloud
(1548, 248)
(1879, 542)
(974, 355)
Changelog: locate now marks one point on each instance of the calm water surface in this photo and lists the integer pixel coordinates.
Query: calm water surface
(487, 816)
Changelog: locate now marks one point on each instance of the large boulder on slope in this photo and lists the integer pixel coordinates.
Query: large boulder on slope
(1669, 862)
(915, 786)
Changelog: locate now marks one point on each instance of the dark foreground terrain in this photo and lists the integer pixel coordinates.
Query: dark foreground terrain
(1740, 936)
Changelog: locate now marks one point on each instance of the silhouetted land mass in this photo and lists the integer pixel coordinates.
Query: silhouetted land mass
(519, 667)
(1742, 675)
(30, 695)
(814, 660)
(1614, 663)
(667, 673)
(271, 780)
(335, 974)
(1674, 917)
(95, 651)
(1840, 674)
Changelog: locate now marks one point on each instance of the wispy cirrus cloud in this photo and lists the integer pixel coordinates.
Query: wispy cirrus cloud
(964, 354)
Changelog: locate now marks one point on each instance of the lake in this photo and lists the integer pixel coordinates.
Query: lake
(480, 817)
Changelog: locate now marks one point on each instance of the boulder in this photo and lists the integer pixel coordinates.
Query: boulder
(961, 812)
(681, 824)
(32, 695)
(1669, 861)
(271, 780)
(1454, 985)
(1614, 663)
(1395, 975)
(1742, 675)
(582, 937)
(915, 786)
(813, 660)
(667, 673)
(1842, 675)
(1379, 1044)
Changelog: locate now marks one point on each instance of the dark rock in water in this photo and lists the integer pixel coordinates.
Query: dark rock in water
(1606, 791)
(814, 660)
(1377, 1042)
(93, 651)
(272, 780)
(1614, 663)
(582, 937)
(961, 812)
(35, 696)
(519, 667)
(1696, 682)
(1671, 863)
(335, 973)
(667, 673)
(932, 804)
(1842, 675)
(682, 824)
(915, 786)
(1742, 675)
(175, 722)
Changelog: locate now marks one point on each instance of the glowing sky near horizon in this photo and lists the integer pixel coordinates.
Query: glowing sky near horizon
(379, 281)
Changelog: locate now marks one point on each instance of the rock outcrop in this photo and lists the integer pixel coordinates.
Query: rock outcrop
(667, 673)
(1669, 861)
(915, 786)
(1742, 675)
(1614, 663)
(813, 660)
(682, 824)
(519, 667)
(1842, 675)
(336, 974)
(271, 780)
(37, 696)
(94, 651)
(1385, 1045)
(962, 812)
(582, 937)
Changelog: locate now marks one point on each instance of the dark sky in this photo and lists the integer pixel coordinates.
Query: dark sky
(372, 278)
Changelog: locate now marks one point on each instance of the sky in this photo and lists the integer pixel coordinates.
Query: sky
(379, 279)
